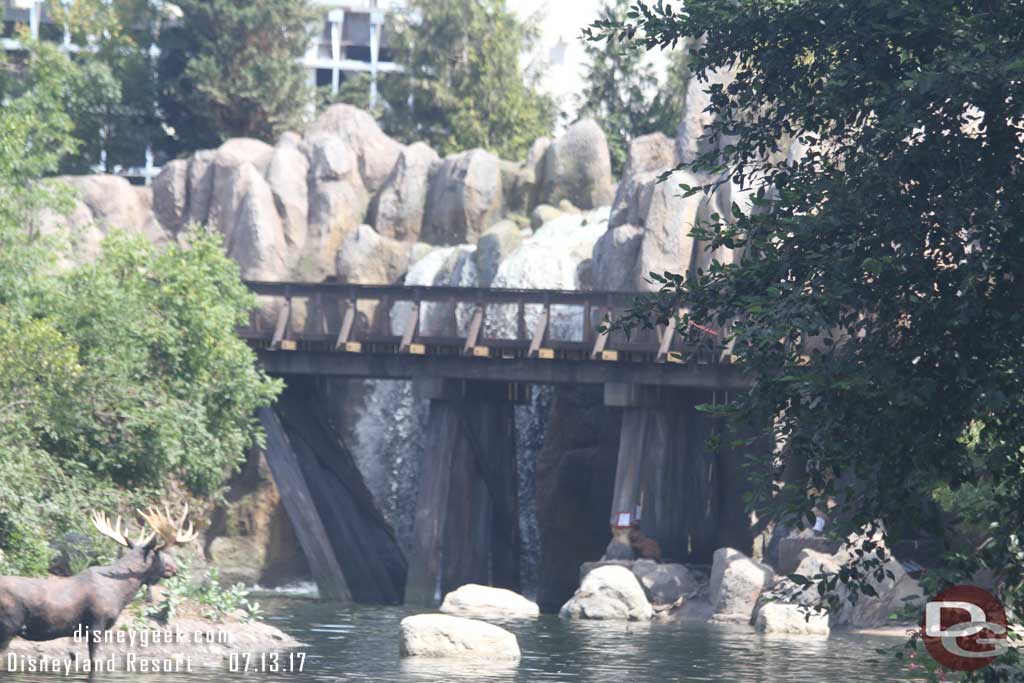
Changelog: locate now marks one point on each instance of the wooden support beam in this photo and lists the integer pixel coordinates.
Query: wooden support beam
(281, 328)
(346, 325)
(665, 344)
(473, 333)
(601, 341)
(412, 320)
(540, 331)
(298, 503)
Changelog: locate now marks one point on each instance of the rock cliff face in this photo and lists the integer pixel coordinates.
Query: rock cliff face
(343, 201)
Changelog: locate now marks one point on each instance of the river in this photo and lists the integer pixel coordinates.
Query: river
(360, 644)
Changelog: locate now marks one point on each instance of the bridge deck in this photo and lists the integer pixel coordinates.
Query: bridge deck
(358, 331)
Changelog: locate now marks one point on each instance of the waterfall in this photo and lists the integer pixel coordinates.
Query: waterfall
(389, 431)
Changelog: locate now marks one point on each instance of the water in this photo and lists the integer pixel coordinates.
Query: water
(360, 644)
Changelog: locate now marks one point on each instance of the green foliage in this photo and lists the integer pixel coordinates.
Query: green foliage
(114, 104)
(877, 305)
(231, 69)
(464, 86)
(622, 90)
(203, 593)
(121, 373)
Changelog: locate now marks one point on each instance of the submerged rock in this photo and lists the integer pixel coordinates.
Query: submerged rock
(441, 635)
(795, 620)
(609, 592)
(474, 600)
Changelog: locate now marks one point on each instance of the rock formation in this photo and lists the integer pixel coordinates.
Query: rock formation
(609, 592)
(483, 602)
(441, 635)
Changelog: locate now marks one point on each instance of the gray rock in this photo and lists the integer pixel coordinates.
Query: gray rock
(666, 243)
(170, 195)
(337, 205)
(577, 167)
(287, 175)
(200, 185)
(650, 153)
(518, 185)
(398, 210)
(366, 257)
(500, 240)
(609, 592)
(257, 242)
(441, 635)
(736, 585)
(543, 213)
(230, 184)
(615, 259)
(473, 600)
(665, 583)
(376, 153)
(111, 200)
(791, 620)
(465, 197)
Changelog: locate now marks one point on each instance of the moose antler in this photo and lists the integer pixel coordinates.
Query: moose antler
(102, 524)
(171, 532)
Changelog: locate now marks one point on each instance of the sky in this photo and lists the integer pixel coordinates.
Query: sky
(561, 23)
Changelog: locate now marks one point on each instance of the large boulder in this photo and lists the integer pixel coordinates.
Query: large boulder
(615, 258)
(257, 241)
(376, 153)
(609, 592)
(368, 258)
(737, 582)
(465, 197)
(778, 618)
(474, 600)
(500, 240)
(200, 185)
(398, 210)
(665, 584)
(287, 175)
(337, 205)
(111, 200)
(654, 152)
(170, 195)
(442, 635)
(230, 183)
(891, 593)
(578, 167)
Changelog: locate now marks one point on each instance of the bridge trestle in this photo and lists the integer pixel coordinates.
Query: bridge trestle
(467, 513)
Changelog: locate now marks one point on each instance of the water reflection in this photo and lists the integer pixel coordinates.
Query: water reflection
(361, 644)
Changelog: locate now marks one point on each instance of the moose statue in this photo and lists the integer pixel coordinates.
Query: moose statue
(56, 607)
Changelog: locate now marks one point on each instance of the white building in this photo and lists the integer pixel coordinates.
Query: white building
(354, 40)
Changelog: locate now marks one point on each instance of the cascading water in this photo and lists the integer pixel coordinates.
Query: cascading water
(549, 259)
(389, 432)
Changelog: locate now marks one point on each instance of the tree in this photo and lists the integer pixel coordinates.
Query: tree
(231, 68)
(463, 85)
(876, 306)
(121, 378)
(622, 90)
(114, 108)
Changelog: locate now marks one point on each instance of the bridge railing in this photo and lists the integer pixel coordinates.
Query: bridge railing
(480, 322)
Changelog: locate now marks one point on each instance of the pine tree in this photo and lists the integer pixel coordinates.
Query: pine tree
(232, 69)
(623, 92)
(464, 86)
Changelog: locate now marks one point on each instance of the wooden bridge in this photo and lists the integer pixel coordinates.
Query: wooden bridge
(372, 331)
(470, 351)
